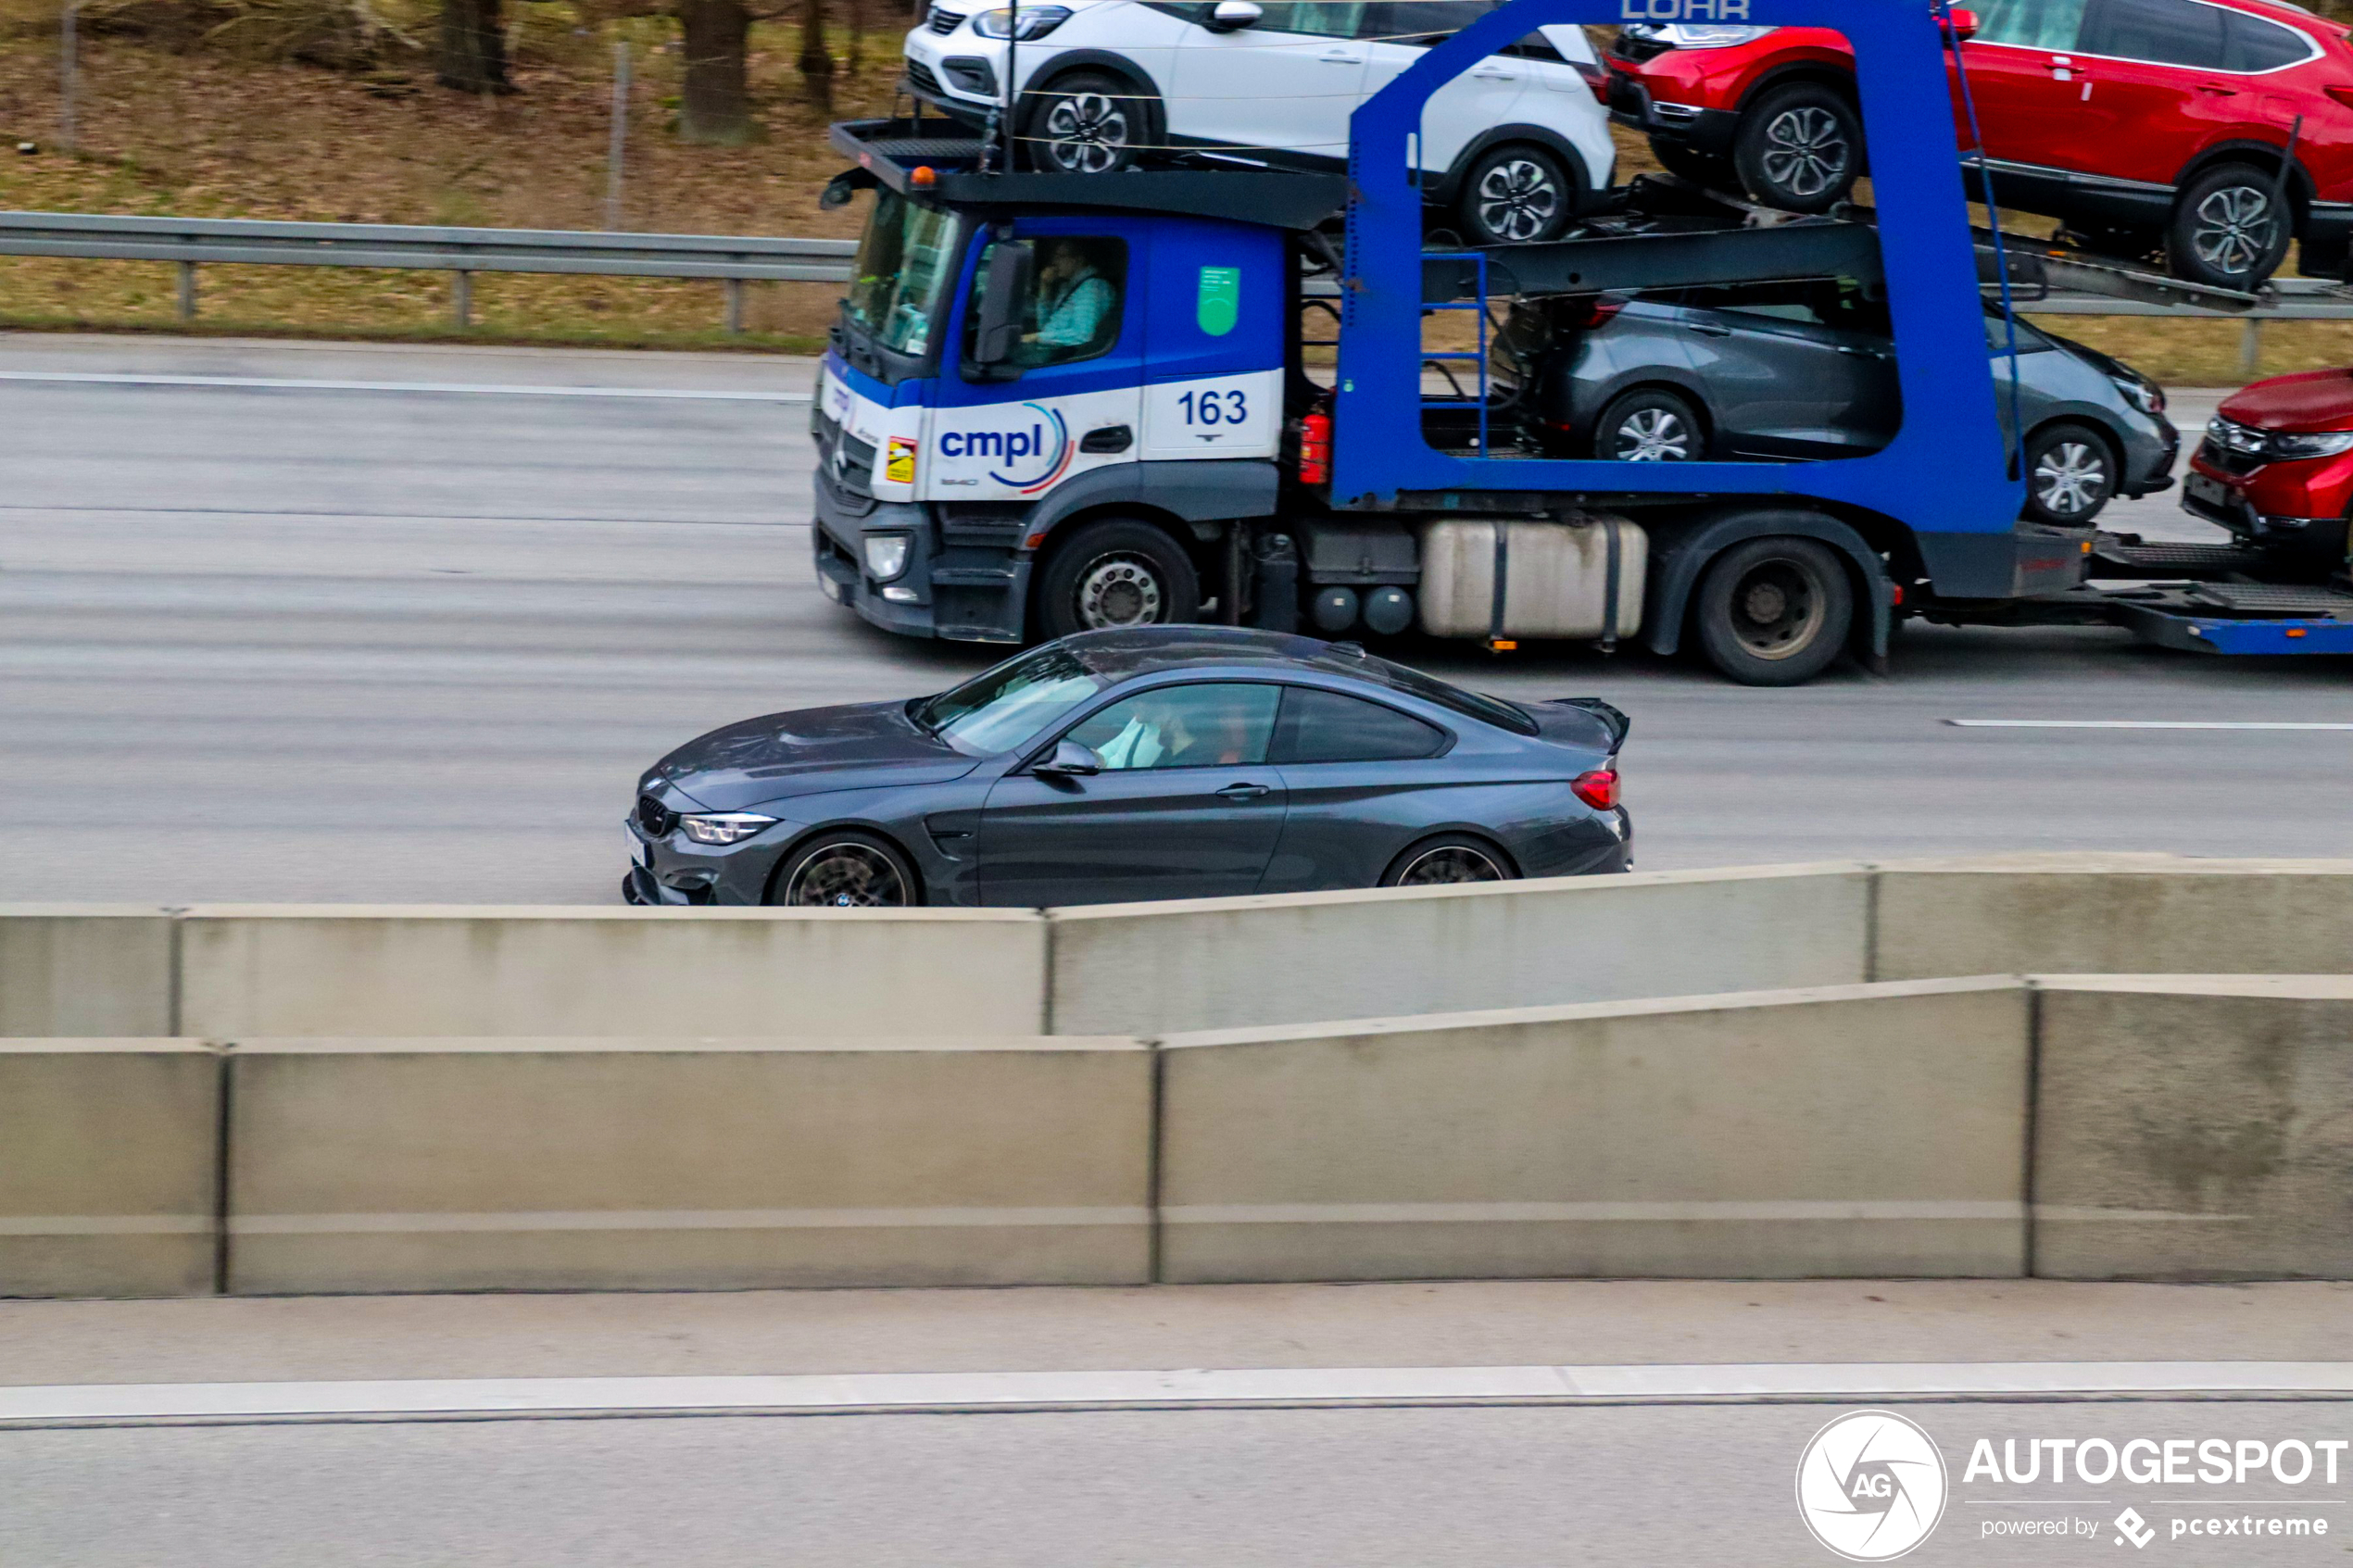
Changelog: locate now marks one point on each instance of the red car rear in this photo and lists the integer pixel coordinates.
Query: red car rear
(2144, 125)
(2276, 466)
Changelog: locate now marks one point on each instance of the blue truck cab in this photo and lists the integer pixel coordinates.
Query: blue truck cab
(1058, 402)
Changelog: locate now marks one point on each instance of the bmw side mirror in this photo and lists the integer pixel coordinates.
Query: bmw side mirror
(1232, 16)
(1005, 294)
(1069, 761)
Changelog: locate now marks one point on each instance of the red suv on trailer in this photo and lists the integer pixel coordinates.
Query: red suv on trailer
(2143, 125)
(2276, 466)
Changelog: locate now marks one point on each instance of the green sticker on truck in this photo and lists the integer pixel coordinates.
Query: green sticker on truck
(1220, 303)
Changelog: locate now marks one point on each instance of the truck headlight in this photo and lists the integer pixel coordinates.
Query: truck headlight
(886, 556)
(1036, 23)
(2324, 443)
(725, 827)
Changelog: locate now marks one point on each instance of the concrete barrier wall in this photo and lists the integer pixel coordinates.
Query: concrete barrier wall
(392, 973)
(1850, 1129)
(393, 1165)
(85, 969)
(1147, 969)
(2194, 1127)
(108, 1159)
(2113, 915)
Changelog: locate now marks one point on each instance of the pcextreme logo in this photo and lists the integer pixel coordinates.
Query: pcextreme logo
(1871, 1486)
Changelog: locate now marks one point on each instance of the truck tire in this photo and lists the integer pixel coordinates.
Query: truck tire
(1116, 571)
(1649, 426)
(1774, 612)
(2072, 470)
(1087, 122)
(1800, 147)
(2225, 233)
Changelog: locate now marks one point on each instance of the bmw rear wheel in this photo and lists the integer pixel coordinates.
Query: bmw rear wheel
(846, 871)
(1436, 862)
(1114, 573)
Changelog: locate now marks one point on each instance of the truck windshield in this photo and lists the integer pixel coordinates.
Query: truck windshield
(903, 268)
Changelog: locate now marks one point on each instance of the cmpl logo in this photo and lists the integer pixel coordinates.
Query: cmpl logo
(1871, 1486)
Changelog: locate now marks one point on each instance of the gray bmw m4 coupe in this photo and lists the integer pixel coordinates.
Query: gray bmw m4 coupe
(1173, 762)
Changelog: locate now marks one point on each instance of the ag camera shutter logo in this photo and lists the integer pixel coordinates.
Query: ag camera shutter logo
(1871, 1486)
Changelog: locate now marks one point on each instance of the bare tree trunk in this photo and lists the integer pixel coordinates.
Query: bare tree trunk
(714, 107)
(816, 62)
(856, 64)
(472, 55)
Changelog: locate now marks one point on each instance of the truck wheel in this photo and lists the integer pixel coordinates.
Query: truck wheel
(1799, 148)
(1774, 612)
(1681, 159)
(2225, 233)
(2071, 474)
(1649, 427)
(1087, 122)
(1515, 195)
(1116, 571)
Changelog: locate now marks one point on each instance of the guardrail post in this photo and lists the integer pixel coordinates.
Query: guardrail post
(461, 298)
(187, 291)
(2250, 346)
(734, 306)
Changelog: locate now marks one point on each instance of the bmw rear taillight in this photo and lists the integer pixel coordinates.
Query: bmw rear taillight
(1597, 788)
(1315, 449)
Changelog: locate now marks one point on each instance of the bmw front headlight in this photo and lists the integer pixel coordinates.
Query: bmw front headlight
(2322, 443)
(1036, 23)
(725, 827)
(886, 556)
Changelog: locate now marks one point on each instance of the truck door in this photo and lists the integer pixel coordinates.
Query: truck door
(1072, 398)
(1215, 341)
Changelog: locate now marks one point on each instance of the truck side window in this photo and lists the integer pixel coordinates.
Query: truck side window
(1074, 311)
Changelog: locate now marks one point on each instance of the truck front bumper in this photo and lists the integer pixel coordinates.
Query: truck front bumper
(844, 522)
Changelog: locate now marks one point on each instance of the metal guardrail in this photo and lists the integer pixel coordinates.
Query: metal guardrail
(193, 241)
(731, 260)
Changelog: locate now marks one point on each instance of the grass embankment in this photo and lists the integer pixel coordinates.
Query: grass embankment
(206, 131)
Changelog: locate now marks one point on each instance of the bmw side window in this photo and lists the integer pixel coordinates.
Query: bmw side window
(2164, 33)
(1202, 726)
(1076, 295)
(2031, 24)
(1318, 726)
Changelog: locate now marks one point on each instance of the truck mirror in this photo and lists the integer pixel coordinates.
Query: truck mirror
(1004, 295)
(1232, 16)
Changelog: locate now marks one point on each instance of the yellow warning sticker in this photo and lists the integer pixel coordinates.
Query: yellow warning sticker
(899, 462)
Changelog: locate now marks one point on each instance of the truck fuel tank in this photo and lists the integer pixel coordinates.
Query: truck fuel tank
(1555, 576)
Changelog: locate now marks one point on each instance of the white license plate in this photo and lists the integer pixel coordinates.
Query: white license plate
(2211, 490)
(640, 853)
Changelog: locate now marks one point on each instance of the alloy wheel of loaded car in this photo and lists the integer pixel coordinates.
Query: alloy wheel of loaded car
(846, 871)
(2226, 231)
(2071, 474)
(1117, 571)
(1515, 195)
(1089, 122)
(1800, 149)
(1648, 427)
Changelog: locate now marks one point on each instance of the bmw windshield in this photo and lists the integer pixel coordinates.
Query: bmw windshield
(1008, 706)
(904, 267)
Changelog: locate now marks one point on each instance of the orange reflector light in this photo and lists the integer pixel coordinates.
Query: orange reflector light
(2087, 547)
(923, 174)
(2295, 631)
(1502, 645)
(1033, 541)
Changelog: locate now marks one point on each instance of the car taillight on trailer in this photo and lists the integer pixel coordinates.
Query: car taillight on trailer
(1597, 788)
(1315, 449)
(1599, 310)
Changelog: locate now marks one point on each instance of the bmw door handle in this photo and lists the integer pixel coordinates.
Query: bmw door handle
(1244, 791)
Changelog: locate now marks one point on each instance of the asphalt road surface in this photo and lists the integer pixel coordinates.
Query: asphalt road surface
(375, 637)
(1363, 1483)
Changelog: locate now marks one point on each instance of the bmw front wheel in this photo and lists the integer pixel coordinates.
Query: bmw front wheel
(846, 871)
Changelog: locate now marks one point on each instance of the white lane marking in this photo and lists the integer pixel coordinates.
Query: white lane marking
(1576, 1212)
(487, 389)
(105, 1225)
(884, 1392)
(2131, 724)
(678, 1220)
